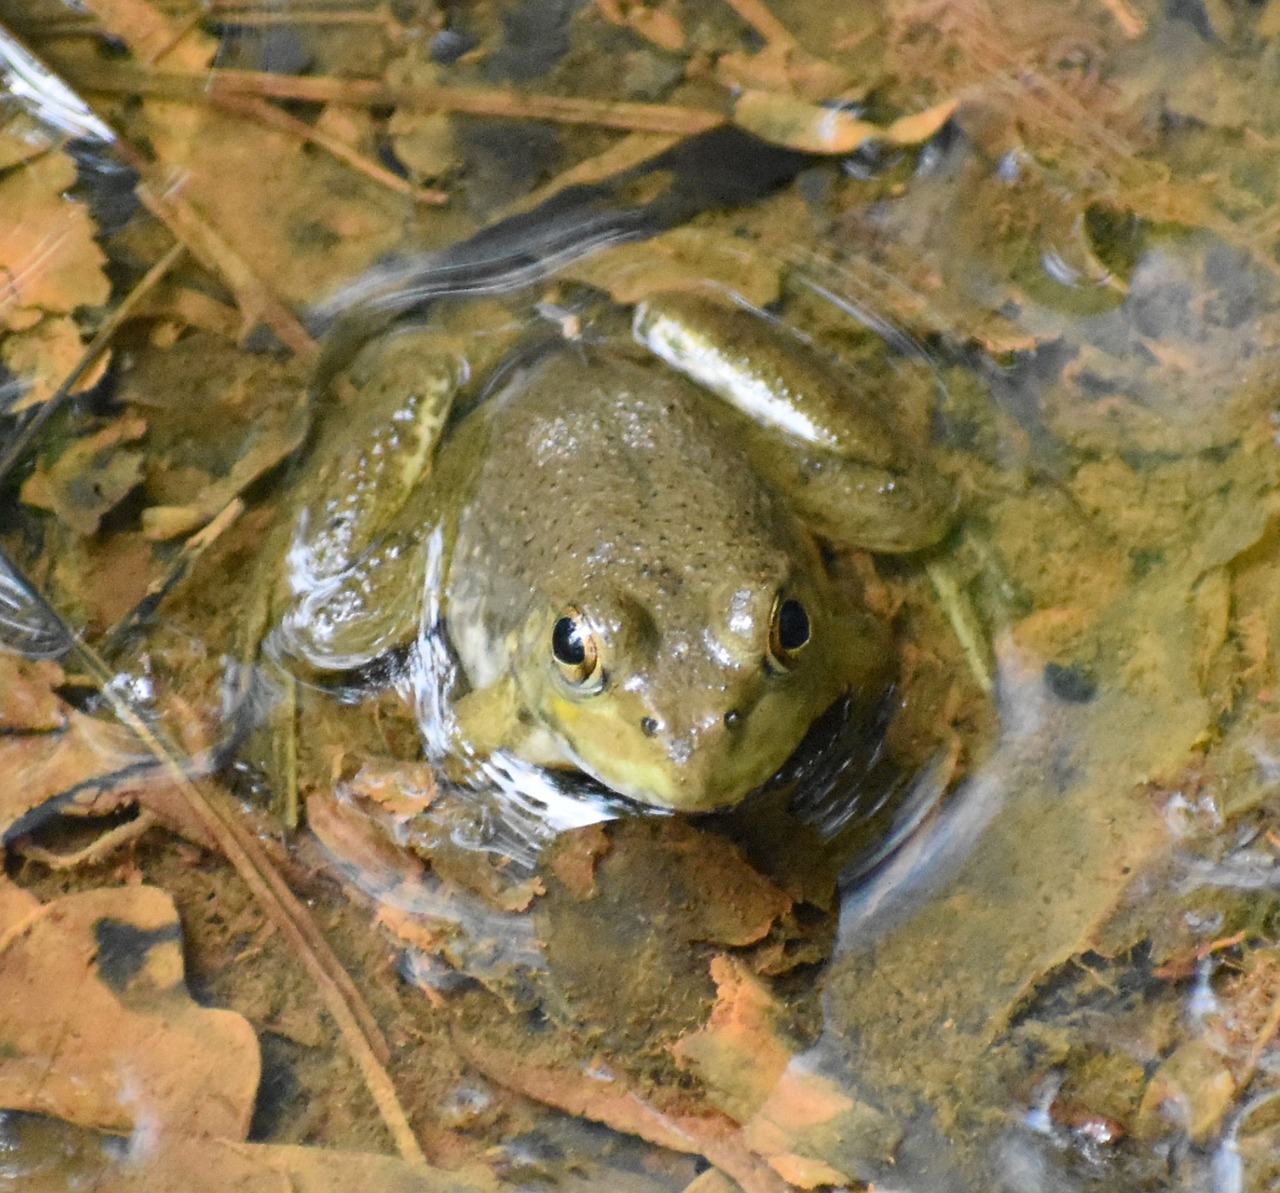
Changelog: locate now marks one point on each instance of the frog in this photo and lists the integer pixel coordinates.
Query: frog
(609, 555)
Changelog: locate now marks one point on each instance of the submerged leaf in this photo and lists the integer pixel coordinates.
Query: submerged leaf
(98, 1028)
(90, 478)
(814, 128)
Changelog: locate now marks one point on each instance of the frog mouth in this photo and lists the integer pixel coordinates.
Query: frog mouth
(681, 775)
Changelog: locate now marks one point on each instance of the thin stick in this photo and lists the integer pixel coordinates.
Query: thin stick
(180, 33)
(221, 821)
(1132, 23)
(764, 22)
(277, 118)
(96, 347)
(471, 101)
(255, 300)
(227, 15)
(178, 567)
(1267, 1033)
(963, 623)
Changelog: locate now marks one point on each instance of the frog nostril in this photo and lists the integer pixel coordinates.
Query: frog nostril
(648, 726)
(732, 719)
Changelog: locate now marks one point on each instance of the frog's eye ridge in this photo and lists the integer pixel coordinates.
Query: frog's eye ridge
(574, 648)
(789, 632)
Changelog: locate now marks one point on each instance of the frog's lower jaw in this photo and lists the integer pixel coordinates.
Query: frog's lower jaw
(710, 780)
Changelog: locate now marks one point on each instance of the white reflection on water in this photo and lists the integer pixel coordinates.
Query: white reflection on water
(929, 856)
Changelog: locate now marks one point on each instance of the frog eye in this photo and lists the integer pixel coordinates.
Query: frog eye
(789, 632)
(575, 648)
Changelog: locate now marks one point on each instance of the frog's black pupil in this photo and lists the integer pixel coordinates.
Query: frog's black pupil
(567, 644)
(793, 625)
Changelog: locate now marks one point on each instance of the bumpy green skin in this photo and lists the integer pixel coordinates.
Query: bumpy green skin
(600, 480)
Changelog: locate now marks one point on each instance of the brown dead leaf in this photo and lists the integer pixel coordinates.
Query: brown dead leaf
(67, 1159)
(49, 261)
(43, 356)
(90, 478)
(659, 23)
(808, 1122)
(40, 766)
(423, 141)
(739, 1054)
(812, 128)
(750, 1070)
(784, 69)
(575, 857)
(280, 434)
(399, 788)
(61, 762)
(153, 37)
(609, 1099)
(360, 846)
(27, 701)
(631, 953)
(50, 266)
(97, 1027)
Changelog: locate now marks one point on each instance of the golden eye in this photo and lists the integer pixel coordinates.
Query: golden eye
(789, 632)
(575, 649)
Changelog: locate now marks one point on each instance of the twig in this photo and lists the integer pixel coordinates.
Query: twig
(20, 442)
(471, 101)
(222, 14)
(220, 819)
(180, 33)
(274, 117)
(206, 244)
(964, 623)
(106, 844)
(764, 22)
(1266, 1034)
(195, 546)
(1132, 23)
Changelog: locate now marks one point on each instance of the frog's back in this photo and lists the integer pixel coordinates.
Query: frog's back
(598, 469)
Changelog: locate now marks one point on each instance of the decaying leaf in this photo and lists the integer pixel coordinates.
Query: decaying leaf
(83, 756)
(813, 1132)
(813, 128)
(659, 23)
(739, 1053)
(276, 438)
(220, 1165)
(62, 762)
(97, 1026)
(755, 1074)
(28, 703)
(783, 69)
(423, 141)
(97, 1030)
(91, 477)
(44, 355)
(574, 861)
(49, 261)
(608, 1098)
(50, 266)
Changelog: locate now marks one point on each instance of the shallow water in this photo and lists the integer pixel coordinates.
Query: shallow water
(1017, 928)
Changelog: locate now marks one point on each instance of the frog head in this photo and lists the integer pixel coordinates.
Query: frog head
(689, 704)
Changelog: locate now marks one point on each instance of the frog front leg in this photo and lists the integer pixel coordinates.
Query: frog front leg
(351, 587)
(835, 452)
